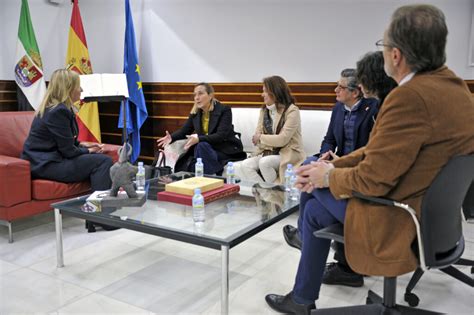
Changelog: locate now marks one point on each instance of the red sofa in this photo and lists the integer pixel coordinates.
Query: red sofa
(20, 196)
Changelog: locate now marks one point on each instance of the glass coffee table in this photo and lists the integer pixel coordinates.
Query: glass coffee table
(229, 221)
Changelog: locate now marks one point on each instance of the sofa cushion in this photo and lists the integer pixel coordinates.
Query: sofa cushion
(15, 185)
(42, 189)
(15, 129)
(314, 124)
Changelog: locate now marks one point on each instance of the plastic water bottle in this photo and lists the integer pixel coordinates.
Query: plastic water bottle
(294, 192)
(199, 168)
(199, 213)
(230, 173)
(288, 173)
(140, 177)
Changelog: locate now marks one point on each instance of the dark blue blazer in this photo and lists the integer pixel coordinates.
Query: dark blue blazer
(52, 138)
(366, 114)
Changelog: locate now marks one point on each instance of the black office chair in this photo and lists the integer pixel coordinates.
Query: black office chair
(411, 298)
(468, 205)
(439, 234)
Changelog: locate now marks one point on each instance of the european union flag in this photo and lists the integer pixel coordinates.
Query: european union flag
(135, 104)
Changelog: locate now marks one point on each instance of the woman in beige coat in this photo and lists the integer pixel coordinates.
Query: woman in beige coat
(278, 134)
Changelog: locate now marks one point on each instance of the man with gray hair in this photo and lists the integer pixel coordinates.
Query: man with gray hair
(352, 119)
(423, 123)
(350, 111)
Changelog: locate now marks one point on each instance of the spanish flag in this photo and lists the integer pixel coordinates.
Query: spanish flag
(77, 59)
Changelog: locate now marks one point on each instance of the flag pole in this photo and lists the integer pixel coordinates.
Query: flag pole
(136, 100)
(124, 129)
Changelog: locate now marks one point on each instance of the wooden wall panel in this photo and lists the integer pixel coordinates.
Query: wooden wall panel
(168, 110)
(109, 123)
(168, 105)
(308, 95)
(7, 85)
(109, 107)
(8, 100)
(8, 106)
(167, 124)
(470, 84)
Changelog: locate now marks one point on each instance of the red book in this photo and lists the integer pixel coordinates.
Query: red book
(209, 196)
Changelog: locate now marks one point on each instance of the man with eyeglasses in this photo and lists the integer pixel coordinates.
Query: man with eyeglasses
(352, 119)
(423, 123)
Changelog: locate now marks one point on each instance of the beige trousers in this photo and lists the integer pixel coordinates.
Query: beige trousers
(268, 166)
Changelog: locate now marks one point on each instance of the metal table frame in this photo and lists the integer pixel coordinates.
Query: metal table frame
(223, 247)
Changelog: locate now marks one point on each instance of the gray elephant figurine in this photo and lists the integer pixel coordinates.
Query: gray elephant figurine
(123, 172)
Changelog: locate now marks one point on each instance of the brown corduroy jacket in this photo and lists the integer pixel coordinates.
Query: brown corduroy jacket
(421, 125)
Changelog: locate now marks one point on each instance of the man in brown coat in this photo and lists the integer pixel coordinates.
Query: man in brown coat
(422, 124)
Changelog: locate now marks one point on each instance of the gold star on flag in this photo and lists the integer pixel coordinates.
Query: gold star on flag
(139, 83)
(137, 69)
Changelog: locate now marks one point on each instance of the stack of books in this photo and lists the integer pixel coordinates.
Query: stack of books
(211, 189)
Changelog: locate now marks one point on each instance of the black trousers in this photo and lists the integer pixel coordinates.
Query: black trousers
(93, 167)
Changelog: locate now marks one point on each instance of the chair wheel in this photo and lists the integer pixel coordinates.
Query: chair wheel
(412, 299)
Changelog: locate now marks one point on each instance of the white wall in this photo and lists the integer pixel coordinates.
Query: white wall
(226, 40)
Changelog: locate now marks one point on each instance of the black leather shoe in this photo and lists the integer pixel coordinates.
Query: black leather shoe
(91, 227)
(338, 275)
(285, 304)
(292, 237)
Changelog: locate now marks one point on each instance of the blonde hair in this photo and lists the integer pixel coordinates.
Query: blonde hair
(209, 90)
(60, 87)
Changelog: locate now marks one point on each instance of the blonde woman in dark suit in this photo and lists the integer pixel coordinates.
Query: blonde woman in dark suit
(52, 146)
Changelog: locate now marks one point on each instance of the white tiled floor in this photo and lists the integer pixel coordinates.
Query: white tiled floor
(125, 272)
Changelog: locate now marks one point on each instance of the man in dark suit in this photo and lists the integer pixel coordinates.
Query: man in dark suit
(352, 119)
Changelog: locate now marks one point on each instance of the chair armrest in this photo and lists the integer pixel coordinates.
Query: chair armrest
(383, 201)
(410, 210)
(15, 181)
(332, 232)
(112, 151)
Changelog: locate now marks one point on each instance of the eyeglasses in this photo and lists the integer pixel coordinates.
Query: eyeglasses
(342, 87)
(380, 44)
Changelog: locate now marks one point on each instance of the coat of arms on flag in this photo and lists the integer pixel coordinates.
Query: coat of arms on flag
(26, 72)
(83, 66)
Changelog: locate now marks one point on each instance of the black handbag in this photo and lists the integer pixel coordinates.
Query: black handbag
(158, 169)
(159, 165)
